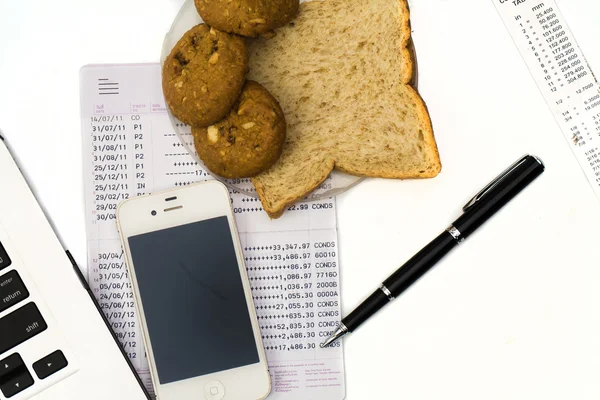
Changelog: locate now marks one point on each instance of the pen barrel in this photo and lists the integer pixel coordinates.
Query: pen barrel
(365, 310)
(400, 280)
(480, 209)
(420, 263)
(499, 196)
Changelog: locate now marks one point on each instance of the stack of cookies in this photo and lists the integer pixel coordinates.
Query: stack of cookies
(239, 128)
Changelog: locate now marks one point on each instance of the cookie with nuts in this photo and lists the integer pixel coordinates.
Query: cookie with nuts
(249, 140)
(247, 17)
(204, 74)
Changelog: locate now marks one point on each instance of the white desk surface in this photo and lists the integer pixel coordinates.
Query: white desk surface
(513, 313)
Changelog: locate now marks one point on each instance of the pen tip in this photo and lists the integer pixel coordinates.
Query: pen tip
(329, 340)
(338, 333)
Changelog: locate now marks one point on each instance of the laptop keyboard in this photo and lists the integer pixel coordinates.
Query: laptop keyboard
(12, 290)
(16, 327)
(14, 376)
(20, 325)
(4, 259)
(50, 364)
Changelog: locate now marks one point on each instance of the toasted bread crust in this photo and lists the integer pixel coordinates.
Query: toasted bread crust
(282, 205)
(323, 159)
(407, 68)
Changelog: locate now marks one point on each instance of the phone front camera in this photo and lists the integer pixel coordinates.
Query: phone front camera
(153, 213)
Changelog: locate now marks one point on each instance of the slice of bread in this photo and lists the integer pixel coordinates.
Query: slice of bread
(341, 72)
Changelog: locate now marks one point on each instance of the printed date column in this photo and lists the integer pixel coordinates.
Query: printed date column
(111, 170)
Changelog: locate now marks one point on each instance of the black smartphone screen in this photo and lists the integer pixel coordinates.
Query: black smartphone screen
(194, 303)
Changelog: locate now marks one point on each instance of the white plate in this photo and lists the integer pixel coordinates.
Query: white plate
(187, 17)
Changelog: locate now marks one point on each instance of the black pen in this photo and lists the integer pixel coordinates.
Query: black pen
(478, 210)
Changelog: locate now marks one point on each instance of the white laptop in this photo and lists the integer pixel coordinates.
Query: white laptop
(54, 341)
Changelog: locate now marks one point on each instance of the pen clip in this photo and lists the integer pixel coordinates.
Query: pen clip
(494, 183)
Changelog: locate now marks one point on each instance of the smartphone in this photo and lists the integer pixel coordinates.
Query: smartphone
(193, 296)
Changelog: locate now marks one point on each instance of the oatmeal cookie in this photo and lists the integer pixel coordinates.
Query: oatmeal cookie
(249, 140)
(203, 75)
(247, 17)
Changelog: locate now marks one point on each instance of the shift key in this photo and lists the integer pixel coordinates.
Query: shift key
(20, 325)
(12, 290)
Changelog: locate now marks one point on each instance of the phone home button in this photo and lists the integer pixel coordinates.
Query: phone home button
(214, 390)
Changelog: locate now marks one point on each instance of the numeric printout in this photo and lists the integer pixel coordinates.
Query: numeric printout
(130, 149)
(562, 74)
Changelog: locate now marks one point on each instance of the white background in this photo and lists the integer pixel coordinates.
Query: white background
(513, 313)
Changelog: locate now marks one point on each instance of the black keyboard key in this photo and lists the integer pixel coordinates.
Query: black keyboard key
(14, 376)
(50, 364)
(20, 325)
(4, 258)
(17, 383)
(12, 290)
(9, 365)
